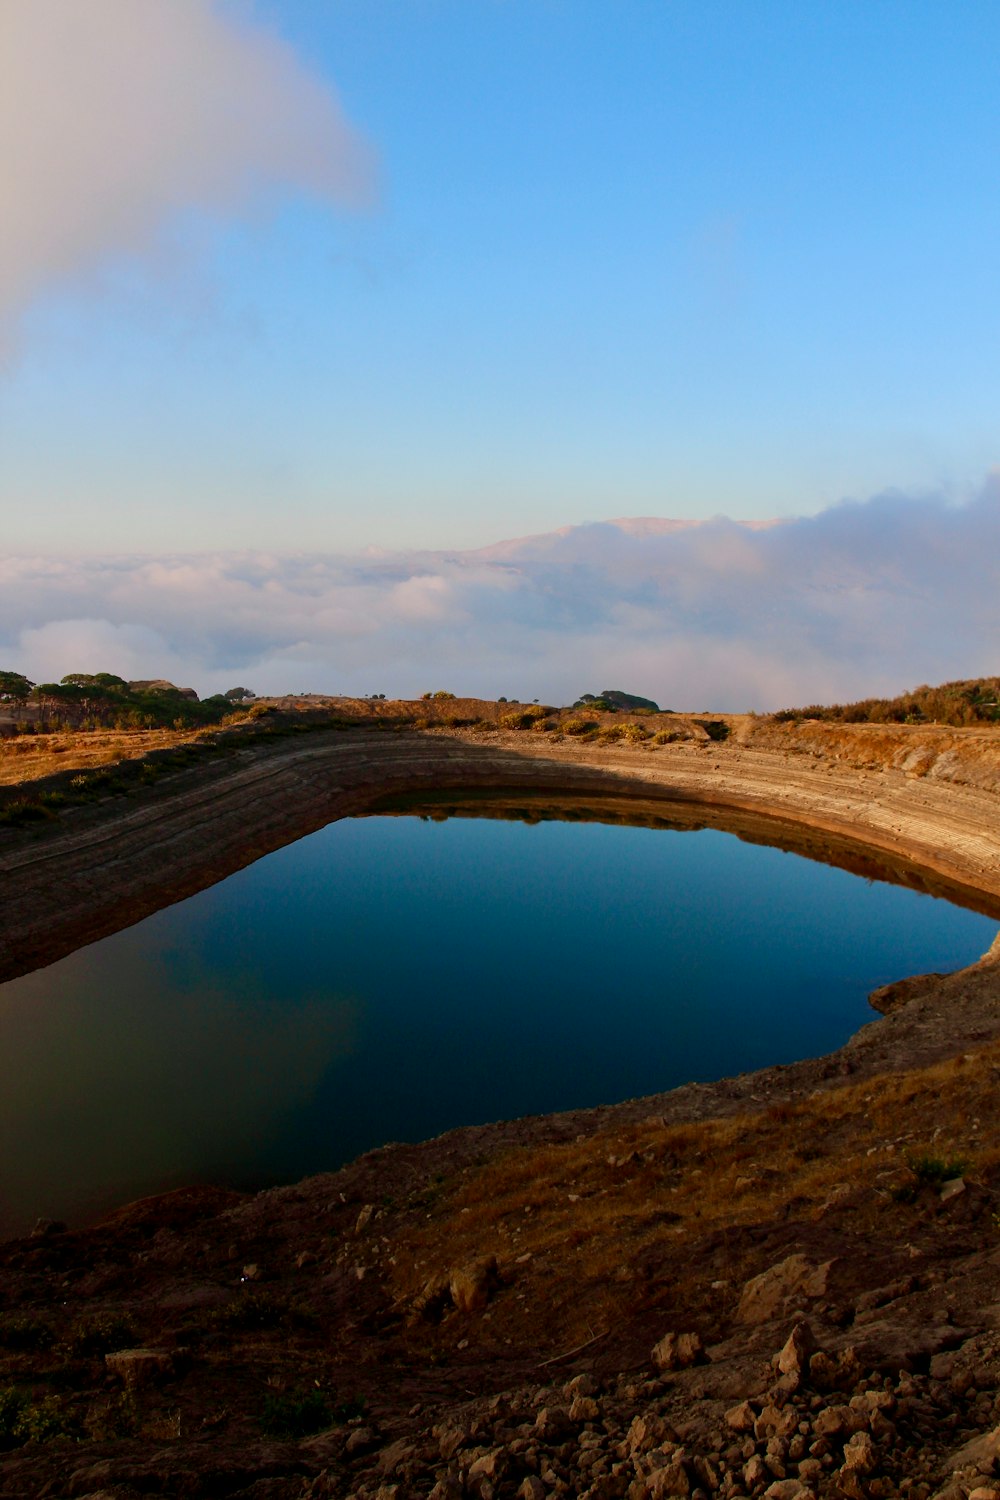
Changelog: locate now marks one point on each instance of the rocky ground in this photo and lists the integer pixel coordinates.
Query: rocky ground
(783, 1284)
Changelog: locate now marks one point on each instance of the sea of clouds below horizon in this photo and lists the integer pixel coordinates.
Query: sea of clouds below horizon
(864, 598)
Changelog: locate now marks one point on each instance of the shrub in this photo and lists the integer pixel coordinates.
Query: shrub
(970, 701)
(716, 729)
(12, 1404)
(21, 811)
(23, 1332)
(98, 1336)
(25, 1421)
(258, 1309)
(578, 726)
(296, 1415)
(934, 1170)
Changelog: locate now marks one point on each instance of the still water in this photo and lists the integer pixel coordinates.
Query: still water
(389, 978)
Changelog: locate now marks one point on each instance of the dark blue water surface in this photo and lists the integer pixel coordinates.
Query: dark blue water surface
(388, 978)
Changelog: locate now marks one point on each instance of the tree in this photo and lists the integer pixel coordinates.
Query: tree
(239, 695)
(95, 679)
(14, 688)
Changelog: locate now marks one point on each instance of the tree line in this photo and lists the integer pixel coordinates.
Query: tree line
(104, 700)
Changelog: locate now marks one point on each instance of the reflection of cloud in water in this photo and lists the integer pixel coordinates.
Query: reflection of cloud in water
(127, 1087)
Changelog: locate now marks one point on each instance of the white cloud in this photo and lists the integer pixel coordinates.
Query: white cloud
(863, 598)
(118, 115)
(136, 650)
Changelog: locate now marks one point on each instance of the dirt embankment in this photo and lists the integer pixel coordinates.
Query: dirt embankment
(180, 819)
(782, 1284)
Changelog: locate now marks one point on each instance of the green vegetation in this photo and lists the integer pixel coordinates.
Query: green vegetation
(934, 1170)
(253, 1309)
(928, 1171)
(25, 1421)
(716, 729)
(297, 1414)
(974, 701)
(19, 1331)
(102, 700)
(19, 812)
(609, 700)
(524, 718)
(95, 1337)
(14, 689)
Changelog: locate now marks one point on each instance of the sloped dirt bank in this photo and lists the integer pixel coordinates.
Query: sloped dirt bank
(103, 866)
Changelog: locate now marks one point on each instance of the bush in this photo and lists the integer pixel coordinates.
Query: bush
(578, 726)
(934, 1170)
(25, 1421)
(19, 812)
(716, 729)
(297, 1415)
(969, 701)
(99, 1336)
(259, 1309)
(23, 1332)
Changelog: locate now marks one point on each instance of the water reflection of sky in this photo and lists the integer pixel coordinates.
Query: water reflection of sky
(390, 978)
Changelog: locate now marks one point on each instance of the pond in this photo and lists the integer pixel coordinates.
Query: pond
(390, 977)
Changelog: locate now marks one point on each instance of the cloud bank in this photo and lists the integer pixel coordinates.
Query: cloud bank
(863, 598)
(117, 115)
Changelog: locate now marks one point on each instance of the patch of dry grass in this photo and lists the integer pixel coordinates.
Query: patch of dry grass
(29, 757)
(575, 1224)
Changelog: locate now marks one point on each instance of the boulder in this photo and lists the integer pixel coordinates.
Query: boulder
(552, 1422)
(472, 1285)
(794, 1357)
(670, 1480)
(678, 1351)
(584, 1409)
(741, 1418)
(982, 1453)
(796, 1278)
(860, 1453)
(646, 1431)
(139, 1367)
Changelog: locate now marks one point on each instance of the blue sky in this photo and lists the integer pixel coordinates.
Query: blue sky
(606, 259)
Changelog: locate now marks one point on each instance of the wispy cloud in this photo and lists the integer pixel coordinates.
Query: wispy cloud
(864, 597)
(118, 115)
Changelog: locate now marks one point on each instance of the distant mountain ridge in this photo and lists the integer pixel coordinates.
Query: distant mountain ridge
(581, 538)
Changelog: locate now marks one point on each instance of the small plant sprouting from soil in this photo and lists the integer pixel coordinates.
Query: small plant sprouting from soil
(935, 1170)
(258, 1309)
(296, 1414)
(99, 1336)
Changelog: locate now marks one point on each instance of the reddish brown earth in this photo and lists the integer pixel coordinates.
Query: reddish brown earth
(476, 1315)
